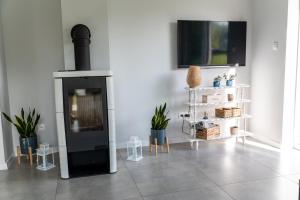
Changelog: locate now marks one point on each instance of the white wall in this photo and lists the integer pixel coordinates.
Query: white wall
(269, 24)
(33, 49)
(143, 42)
(6, 148)
(92, 13)
(134, 38)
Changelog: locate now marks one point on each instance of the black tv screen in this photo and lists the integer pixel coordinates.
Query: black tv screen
(211, 43)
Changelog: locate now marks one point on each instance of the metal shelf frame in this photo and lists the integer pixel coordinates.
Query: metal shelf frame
(194, 106)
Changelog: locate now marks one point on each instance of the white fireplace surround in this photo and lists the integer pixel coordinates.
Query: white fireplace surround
(58, 76)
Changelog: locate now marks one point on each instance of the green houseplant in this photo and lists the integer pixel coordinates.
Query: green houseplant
(159, 124)
(26, 127)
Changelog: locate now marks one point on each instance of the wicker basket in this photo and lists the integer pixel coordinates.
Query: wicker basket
(223, 112)
(236, 112)
(208, 133)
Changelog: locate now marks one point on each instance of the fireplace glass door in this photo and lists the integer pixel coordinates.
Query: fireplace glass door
(85, 109)
(87, 138)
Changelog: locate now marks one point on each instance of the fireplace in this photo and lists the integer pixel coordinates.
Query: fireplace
(85, 122)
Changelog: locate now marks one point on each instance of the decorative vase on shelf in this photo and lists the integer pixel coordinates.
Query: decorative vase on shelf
(194, 76)
(217, 83)
(229, 83)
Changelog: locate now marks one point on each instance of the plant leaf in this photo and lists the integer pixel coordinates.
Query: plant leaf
(7, 117)
(22, 114)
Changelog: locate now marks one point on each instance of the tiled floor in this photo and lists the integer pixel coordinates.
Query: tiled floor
(217, 171)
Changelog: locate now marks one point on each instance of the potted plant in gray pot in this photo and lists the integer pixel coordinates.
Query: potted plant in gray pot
(26, 127)
(159, 124)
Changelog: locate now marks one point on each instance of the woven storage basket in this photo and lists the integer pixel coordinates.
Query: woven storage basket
(223, 112)
(208, 133)
(236, 112)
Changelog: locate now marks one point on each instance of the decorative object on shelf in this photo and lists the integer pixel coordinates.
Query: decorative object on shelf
(229, 79)
(45, 151)
(205, 115)
(211, 132)
(213, 98)
(234, 130)
(223, 112)
(217, 81)
(159, 124)
(134, 149)
(236, 112)
(164, 147)
(205, 124)
(194, 76)
(230, 97)
(228, 112)
(26, 127)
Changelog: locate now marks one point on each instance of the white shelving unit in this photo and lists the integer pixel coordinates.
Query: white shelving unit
(195, 106)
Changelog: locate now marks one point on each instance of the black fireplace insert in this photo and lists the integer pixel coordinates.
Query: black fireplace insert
(86, 125)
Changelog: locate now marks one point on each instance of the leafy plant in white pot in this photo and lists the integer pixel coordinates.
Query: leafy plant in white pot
(26, 127)
(159, 124)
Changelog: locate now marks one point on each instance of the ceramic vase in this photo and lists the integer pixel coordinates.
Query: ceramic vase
(229, 83)
(217, 83)
(25, 143)
(194, 77)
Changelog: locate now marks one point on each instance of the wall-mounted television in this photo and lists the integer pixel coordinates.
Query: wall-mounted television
(211, 43)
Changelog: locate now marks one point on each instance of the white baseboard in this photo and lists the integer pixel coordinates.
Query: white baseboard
(3, 166)
(267, 141)
(8, 162)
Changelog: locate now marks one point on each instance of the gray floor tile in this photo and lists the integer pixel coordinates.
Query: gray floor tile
(94, 192)
(275, 189)
(226, 170)
(119, 186)
(199, 194)
(171, 182)
(244, 171)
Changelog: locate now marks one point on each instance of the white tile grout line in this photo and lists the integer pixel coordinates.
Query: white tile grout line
(126, 167)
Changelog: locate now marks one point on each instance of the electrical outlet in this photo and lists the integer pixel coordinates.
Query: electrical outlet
(275, 45)
(183, 114)
(41, 127)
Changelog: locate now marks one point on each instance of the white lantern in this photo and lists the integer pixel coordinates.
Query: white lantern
(134, 149)
(45, 152)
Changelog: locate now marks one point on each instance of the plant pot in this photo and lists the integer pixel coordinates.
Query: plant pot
(160, 135)
(25, 143)
(217, 83)
(229, 83)
(234, 130)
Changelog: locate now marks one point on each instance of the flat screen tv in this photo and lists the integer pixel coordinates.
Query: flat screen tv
(211, 43)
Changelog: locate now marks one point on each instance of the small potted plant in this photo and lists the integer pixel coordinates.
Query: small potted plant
(159, 124)
(26, 127)
(217, 81)
(229, 79)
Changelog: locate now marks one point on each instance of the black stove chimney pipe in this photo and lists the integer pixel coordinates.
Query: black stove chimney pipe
(81, 38)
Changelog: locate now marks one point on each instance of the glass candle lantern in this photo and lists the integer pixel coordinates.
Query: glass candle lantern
(134, 149)
(47, 157)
